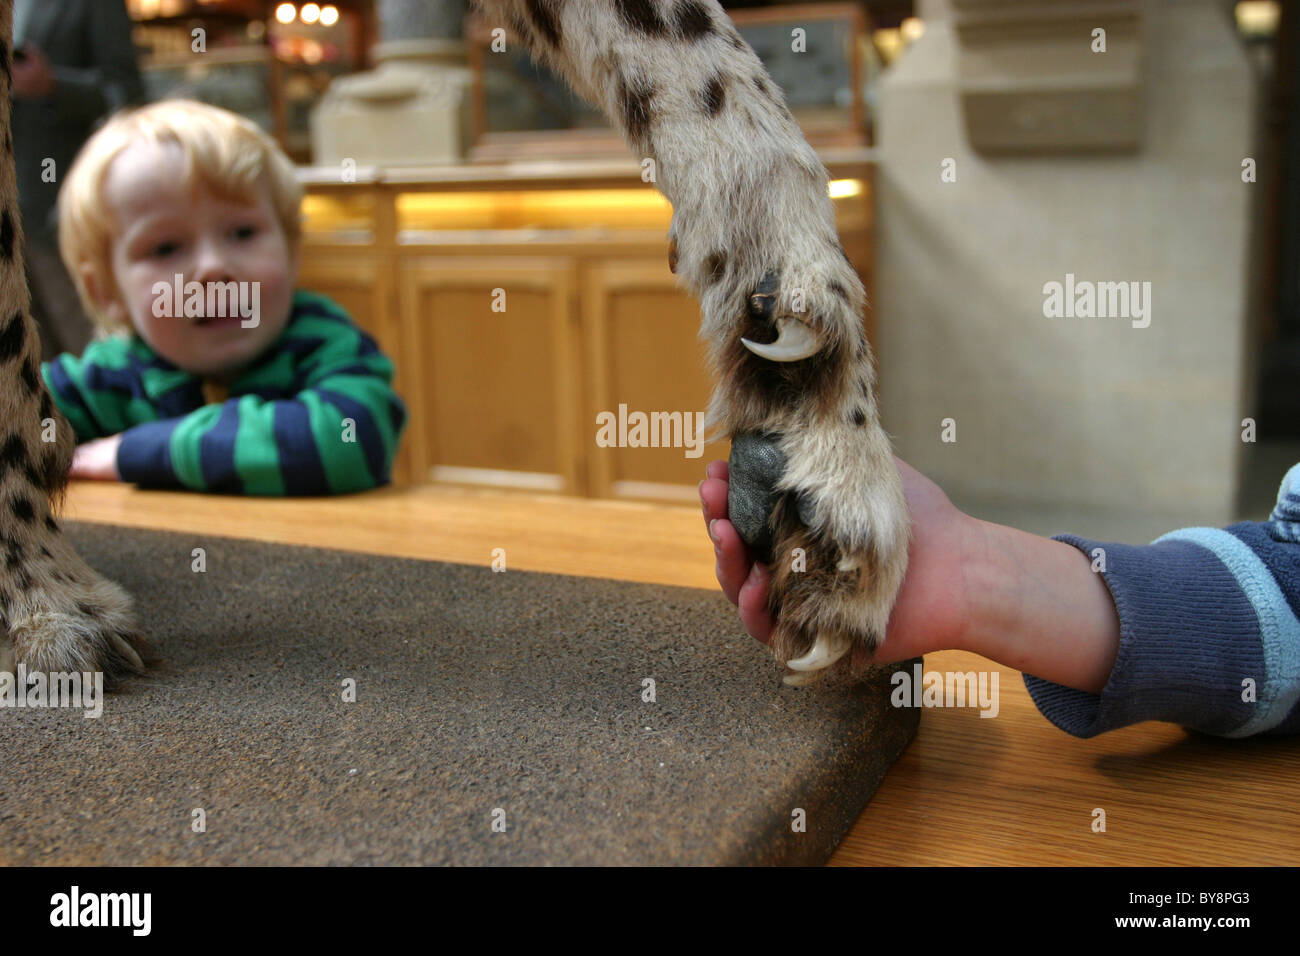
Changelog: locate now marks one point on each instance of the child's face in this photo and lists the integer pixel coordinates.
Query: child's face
(163, 229)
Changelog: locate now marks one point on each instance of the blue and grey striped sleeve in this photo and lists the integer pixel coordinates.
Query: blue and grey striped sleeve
(1209, 631)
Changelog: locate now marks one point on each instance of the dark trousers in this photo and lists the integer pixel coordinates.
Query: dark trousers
(55, 305)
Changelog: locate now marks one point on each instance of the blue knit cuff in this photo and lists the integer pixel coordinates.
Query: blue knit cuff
(1189, 638)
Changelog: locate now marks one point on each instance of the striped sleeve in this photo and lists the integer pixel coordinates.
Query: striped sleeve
(339, 433)
(100, 392)
(1209, 631)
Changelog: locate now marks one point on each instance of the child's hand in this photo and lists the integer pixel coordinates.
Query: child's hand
(933, 605)
(97, 459)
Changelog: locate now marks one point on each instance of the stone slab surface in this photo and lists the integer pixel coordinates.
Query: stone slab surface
(475, 692)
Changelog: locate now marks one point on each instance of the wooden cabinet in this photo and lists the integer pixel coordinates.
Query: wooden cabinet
(644, 363)
(540, 340)
(492, 346)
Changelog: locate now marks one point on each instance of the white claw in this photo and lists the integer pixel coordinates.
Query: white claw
(127, 651)
(794, 341)
(802, 679)
(825, 652)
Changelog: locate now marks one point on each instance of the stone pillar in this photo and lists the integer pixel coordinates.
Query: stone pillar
(1081, 415)
(409, 109)
(420, 19)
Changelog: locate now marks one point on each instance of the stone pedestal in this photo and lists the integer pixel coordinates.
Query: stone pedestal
(1046, 76)
(409, 109)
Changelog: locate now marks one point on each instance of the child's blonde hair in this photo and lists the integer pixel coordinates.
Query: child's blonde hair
(227, 153)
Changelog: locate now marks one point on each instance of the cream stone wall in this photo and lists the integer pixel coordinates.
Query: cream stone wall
(1082, 412)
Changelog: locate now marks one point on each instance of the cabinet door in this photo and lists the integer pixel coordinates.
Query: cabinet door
(494, 370)
(646, 366)
(362, 283)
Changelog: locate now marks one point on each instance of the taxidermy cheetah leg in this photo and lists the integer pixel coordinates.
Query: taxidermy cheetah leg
(753, 235)
(56, 614)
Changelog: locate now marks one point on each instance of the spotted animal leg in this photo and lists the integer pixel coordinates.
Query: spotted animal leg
(753, 236)
(56, 613)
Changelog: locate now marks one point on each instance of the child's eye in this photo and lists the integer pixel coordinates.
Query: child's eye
(245, 232)
(164, 249)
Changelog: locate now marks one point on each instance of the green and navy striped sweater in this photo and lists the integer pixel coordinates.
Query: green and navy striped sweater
(314, 414)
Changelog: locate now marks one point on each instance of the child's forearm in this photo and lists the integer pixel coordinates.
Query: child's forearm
(1037, 606)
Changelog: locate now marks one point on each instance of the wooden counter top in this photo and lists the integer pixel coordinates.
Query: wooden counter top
(840, 161)
(1009, 790)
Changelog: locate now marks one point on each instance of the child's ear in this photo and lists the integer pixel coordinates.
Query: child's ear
(104, 296)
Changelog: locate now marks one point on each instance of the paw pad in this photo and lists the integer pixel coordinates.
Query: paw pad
(756, 464)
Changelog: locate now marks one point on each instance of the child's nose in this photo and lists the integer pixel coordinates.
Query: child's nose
(211, 265)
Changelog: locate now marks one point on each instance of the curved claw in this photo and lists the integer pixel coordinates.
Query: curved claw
(825, 652)
(802, 678)
(127, 651)
(794, 342)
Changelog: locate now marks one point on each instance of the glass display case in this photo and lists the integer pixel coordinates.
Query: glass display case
(240, 79)
(260, 60)
(819, 54)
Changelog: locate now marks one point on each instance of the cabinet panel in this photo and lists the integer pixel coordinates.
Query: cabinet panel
(646, 368)
(493, 357)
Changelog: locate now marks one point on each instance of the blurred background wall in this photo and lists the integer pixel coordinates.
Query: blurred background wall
(1072, 413)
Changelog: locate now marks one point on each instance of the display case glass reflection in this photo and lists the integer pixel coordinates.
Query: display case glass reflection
(814, 53)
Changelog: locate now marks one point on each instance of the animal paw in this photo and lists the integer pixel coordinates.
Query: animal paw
(826, 513)
(65, 617)
(782, 315)
(826, 503)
